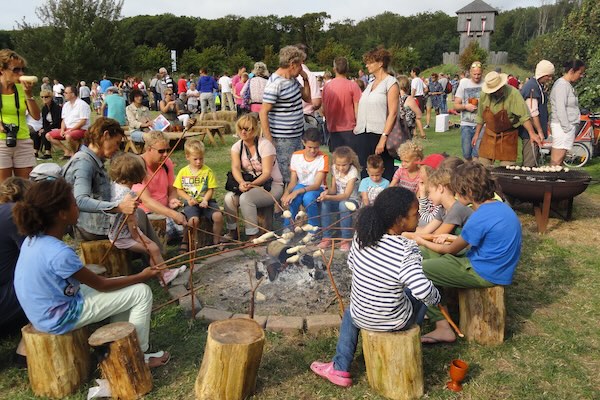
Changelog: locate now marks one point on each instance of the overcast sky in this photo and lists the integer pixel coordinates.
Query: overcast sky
(339, 10)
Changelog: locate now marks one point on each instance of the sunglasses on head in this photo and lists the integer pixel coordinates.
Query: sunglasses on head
(476, 65)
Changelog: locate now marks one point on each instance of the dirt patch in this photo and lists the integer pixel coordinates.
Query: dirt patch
(299, 289)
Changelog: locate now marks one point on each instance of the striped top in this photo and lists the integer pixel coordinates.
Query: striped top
(286, 118)
(380, 275)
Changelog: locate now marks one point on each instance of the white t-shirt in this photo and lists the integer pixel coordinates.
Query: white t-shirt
(467, 89)
(192, 96)
(419, 87)
(58, 90)
(342, 181)
(307, 170)
(225, 83)
(72, 113)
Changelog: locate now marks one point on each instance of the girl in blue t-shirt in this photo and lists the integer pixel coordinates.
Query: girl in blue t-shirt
(493, 233)
(57, 292)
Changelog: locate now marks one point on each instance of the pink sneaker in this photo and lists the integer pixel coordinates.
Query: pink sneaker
(325, 370)
(325, 244)
(345, 247)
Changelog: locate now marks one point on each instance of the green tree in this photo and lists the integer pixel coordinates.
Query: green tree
(473, 52)
(404, 58)
(81, 40)
(150, 59)
(213, 58)
(330, 51)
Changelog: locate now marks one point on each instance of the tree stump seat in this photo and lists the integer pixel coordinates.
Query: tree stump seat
(122, 362)
(57, 365)
(231, 360)
(482, 314)
(116, 263)
(394, 362)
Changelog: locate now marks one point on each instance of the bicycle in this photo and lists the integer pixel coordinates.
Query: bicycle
(585, 146)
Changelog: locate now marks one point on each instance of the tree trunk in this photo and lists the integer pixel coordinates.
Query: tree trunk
(482, 314)
(57, 364)
(116, 263)
(123, 362)
(394, 363)
(231, 360)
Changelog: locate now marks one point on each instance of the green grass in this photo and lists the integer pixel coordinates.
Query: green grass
(550, 352)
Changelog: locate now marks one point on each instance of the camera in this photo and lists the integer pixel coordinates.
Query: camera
(11, 131)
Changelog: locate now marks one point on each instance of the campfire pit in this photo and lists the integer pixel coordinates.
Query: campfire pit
(542, 188)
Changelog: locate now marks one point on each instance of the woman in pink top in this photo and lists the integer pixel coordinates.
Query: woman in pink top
(237, 94)
(256, 86)
(254, 156)
(340, 104)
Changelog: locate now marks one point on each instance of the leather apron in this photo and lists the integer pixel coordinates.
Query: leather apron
(500, 139)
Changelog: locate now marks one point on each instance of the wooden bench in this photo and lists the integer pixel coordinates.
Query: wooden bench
(482, 314)
(394, 362)
(208, 131)
(57, 365)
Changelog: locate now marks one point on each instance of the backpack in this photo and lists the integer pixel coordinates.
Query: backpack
(448, 88)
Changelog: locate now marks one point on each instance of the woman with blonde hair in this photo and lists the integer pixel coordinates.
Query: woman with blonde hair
(253, 163)
(16, 146)
(51, 119)
(254, 88)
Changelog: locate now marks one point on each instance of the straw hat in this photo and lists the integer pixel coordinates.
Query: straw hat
(493, 81)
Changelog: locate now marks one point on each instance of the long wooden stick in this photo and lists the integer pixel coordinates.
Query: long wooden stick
(449, 319)
(328, 266)
(253, 289)
(238, 218)
(142, 191)
(192, 244)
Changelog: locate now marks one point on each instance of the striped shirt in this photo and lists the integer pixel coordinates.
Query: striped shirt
(286, 118)
(380, 274)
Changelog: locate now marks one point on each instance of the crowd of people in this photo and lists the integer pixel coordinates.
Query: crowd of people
(277, 162)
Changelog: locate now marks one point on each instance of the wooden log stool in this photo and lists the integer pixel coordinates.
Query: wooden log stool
(394, 363)
(57, 365)
(482, 314)
(116, 263)
(122, 361)
(231, 360)
(159, 224)
(204, 238)
(265, 217)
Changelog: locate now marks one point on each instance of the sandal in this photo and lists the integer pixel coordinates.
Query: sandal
(157, 359)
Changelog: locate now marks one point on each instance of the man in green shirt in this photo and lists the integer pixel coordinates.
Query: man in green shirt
(502, 109)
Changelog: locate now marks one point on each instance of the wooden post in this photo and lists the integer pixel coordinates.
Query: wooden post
(123, 364)
(116, 263)
(231, 360)
(202, 238)
(159, 224)
(265, 217)
(482, 314)
(57, 364)
(394, 363)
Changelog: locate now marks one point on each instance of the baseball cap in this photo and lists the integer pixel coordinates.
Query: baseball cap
(432, 160)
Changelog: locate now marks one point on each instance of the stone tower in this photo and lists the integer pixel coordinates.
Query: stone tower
(476, 23)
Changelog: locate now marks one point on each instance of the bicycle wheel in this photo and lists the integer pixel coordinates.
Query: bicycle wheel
(578, 156)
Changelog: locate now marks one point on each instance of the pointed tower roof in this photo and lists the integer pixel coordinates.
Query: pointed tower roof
(477, 6)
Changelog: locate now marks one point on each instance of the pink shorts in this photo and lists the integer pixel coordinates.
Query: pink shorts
(76, 134)
(20, 156)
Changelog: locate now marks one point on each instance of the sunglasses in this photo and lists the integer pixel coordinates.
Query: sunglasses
(245, 128)
(162, 151)
(46, 97)
(17, 70)
(476, 65)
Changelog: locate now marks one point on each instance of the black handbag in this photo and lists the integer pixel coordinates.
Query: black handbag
(232, 185)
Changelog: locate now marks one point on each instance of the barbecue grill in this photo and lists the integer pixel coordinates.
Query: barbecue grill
(542, 188)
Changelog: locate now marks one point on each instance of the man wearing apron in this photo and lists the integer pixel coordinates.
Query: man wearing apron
(502, 109)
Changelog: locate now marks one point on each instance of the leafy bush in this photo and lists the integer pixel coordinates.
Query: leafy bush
(472, 53)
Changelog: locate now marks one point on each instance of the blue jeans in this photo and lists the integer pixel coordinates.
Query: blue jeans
(466, 134)
(329, 207)
(444, 105)
(346, 345)
(308, 200)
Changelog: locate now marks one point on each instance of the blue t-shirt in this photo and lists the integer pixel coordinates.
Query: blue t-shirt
(45, 285)
(373, 189)
(494, 233)
(116, 108)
